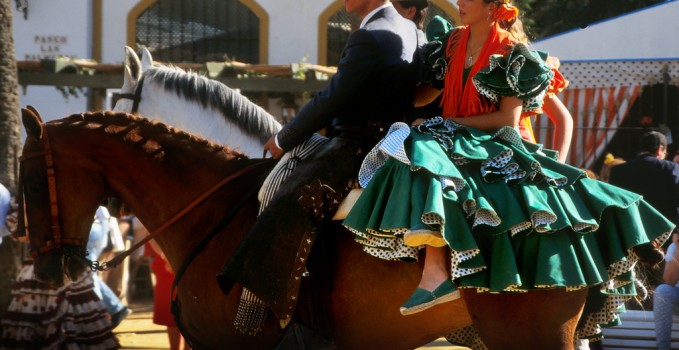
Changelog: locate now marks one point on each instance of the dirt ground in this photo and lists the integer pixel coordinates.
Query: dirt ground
(137, 331)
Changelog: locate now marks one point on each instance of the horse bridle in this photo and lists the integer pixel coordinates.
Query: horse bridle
(57, 240)
(135, 97)
(77, 246)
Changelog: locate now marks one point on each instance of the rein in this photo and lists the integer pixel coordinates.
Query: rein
(135, 97)
(96, 266)
(175, 305)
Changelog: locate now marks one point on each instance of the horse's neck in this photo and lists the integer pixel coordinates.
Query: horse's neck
(196, 119)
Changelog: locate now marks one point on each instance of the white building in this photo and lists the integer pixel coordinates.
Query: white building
(253, 31)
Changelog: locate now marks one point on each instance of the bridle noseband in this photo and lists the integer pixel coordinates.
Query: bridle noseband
(135, 97)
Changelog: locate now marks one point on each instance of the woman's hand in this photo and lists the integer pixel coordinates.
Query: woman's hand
(417, 121)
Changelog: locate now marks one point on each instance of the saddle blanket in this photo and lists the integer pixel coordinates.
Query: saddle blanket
(287, 165)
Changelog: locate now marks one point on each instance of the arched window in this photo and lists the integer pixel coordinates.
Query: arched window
(201, 30)
(340, 24)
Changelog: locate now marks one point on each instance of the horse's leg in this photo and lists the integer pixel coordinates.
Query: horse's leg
(544, 319)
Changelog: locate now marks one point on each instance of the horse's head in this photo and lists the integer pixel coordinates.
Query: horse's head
(58, 213)
(192, 102)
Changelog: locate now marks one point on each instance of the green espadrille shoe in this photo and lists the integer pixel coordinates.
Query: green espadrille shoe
(423, 299)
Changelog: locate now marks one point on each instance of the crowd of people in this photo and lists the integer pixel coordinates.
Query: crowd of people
(445, 119)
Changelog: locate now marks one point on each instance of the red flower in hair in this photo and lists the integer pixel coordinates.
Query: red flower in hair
(506, 13)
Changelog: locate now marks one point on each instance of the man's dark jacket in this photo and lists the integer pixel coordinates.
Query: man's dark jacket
(374, 81)
(655, 179)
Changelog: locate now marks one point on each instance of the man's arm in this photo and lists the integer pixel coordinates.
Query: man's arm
(358, 64)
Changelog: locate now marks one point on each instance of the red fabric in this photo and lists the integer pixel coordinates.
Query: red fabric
(460, 102)
(162, 289)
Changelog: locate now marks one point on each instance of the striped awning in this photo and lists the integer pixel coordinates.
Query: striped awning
(599, 97)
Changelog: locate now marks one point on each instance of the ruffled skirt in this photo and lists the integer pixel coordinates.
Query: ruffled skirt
(67, 317)
(514, 218)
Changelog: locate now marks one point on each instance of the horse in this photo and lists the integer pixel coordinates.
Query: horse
(193, 103)
(180, 186)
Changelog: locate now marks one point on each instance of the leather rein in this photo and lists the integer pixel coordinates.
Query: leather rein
(59, 241)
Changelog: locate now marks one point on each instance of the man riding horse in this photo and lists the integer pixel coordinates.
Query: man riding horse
(373, 87)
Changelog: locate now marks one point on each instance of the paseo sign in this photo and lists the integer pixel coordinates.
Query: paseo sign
(48, 47)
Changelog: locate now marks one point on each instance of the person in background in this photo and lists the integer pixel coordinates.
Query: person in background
(41, 316)
(5, 210)
(162, 287)
(666, 297)
(105, 232)
(609, 162)
(651, 175)
(414, 10)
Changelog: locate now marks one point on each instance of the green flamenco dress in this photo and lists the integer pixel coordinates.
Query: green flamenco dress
(514, 218)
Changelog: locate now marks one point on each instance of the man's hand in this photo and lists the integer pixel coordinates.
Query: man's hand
(270, 146)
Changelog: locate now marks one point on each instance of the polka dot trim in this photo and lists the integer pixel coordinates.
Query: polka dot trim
(457, 257)
(467, 336)
(541, 219)
(457, 184)
(520, 227)
(432, 219)
(486, 217)
(390, 146)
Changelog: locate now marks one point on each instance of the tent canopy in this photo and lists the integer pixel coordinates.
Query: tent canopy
(606, 64)
(646, 34)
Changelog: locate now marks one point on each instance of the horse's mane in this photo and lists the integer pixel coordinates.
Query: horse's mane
(235, 107)
(149, 134)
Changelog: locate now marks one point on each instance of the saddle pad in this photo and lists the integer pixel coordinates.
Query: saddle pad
(286, 166)
(347, 204)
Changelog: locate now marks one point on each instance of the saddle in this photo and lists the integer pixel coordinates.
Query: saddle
(282, 170)
(315, 197)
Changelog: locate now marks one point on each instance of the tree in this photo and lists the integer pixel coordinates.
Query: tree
(10, 141)
(544, 18)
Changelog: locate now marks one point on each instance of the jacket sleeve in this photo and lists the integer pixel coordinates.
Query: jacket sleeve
(360, 58)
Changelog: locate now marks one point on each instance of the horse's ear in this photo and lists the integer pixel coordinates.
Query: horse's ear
(146, 59)
(32, 121)
(132, 64)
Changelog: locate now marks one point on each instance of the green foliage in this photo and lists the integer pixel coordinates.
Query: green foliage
(544, 18)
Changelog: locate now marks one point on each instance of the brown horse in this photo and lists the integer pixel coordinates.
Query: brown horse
(183, 187)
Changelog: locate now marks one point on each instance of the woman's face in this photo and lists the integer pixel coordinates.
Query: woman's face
(473, 11)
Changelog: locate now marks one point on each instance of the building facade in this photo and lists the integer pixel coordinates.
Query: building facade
(179, 31)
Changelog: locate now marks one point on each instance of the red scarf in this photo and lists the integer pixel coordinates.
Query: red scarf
(458, 102)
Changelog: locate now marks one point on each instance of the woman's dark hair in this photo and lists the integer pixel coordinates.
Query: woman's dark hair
(421, 6)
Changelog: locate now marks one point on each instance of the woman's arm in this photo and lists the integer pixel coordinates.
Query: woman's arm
(563, 125)
(671, 273)
(508, 114)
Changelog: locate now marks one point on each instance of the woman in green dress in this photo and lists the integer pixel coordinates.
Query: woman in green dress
(502, 213)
